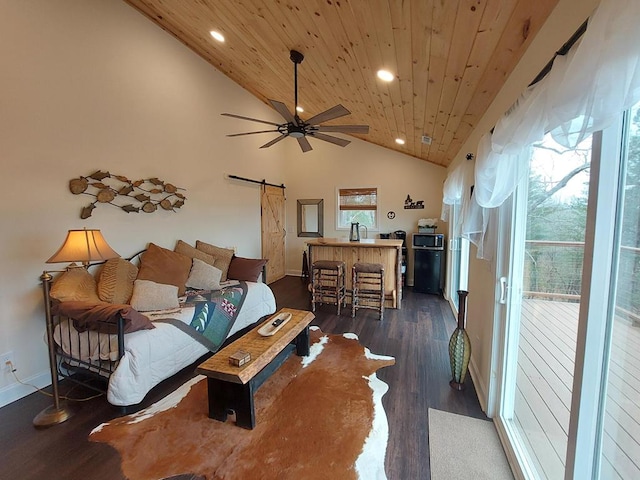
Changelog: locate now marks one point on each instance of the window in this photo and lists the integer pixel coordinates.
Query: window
(358, 205)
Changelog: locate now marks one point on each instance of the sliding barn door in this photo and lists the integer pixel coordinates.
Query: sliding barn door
(273, 231)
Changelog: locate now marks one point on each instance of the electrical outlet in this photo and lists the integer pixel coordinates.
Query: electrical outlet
(7, 357)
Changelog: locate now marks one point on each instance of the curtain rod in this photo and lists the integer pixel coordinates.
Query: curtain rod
(261, 182)
(563, 51)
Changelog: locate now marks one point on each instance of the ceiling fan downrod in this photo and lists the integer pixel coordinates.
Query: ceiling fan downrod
(297, 58)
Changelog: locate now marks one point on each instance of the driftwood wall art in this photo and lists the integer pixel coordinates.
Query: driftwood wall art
(131, 196)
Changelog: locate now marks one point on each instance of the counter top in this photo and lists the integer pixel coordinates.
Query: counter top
(345, 242)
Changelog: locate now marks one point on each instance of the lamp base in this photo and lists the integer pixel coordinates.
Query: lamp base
(52, 416)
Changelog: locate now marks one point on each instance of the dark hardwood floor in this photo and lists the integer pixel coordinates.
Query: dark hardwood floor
(417, 336)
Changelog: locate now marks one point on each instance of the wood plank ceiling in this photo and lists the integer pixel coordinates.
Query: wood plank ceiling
(449, 58)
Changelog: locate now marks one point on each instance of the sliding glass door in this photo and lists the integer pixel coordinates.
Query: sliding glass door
(551, 214)
(569, 403)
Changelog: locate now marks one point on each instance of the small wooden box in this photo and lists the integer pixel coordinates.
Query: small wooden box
(239, 358)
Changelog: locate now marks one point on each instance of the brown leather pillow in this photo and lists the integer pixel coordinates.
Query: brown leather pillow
(186, 249)
(161, 265)
(247, 269)
(91, 315)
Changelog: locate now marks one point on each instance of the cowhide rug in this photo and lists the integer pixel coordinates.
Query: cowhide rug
(317, 417)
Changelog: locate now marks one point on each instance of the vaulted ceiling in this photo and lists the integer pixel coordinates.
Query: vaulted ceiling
(449, 59)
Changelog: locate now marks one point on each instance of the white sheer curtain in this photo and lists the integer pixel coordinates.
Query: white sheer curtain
(584, 92)
(456, 183)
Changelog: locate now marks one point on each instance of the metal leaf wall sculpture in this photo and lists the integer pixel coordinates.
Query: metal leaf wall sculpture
(131, 196)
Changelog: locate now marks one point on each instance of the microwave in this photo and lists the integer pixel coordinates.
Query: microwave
(431, 241)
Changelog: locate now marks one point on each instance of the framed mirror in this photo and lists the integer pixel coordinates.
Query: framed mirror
(310, 218)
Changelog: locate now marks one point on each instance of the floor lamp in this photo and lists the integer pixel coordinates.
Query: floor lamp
(83, 246)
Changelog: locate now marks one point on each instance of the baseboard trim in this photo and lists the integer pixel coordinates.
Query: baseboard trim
(16, 391)
(481, 391)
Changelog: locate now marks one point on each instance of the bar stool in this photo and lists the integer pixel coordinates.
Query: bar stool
(367, 280)
(327, 282)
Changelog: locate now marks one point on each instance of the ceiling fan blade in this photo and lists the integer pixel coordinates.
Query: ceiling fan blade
(250, 119)
(364, 129)
(282, 109)
(274, 141)
(250, 133)
(333, 112)
(331, 139)
(304, 144)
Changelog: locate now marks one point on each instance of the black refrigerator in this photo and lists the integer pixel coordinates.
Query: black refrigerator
(428, 270)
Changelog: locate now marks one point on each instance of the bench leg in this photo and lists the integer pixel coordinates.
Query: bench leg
(302, 343)
(224, 396)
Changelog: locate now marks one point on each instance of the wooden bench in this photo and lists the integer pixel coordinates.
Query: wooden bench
(231, 387)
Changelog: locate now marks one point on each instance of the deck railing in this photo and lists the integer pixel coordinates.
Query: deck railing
(553, 270)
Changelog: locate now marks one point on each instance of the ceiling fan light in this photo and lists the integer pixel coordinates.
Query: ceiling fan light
(400, 141)
(296, 134)
(299, 109)
(217, 35)
(385, 75)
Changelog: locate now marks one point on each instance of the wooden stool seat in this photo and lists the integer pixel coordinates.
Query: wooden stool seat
(328, 283)
(368, 287)
(328, 264)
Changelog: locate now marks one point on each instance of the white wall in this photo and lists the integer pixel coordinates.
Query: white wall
(563, 22)
(93, 84)
(88, 85)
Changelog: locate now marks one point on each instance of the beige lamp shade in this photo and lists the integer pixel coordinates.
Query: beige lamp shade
(83, 246)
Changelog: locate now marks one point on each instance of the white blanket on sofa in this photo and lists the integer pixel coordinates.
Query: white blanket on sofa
(154, 355)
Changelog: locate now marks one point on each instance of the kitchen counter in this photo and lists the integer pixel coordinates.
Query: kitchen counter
(364, 243)
(385, 251)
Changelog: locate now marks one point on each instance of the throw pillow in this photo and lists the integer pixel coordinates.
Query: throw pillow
(148, 295)
(247, 269)
(222, 255)
(76, 284)
(164, 266)
(115, 282)
(204, 276)
(192, 252)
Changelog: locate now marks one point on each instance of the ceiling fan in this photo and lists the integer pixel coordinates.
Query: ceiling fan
(300, 129)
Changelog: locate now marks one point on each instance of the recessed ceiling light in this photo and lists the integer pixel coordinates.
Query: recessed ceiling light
(217, 35)
(299, 109)
(385, 75)
(399, 141)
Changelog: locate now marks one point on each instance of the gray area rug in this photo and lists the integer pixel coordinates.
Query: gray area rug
(465, 448)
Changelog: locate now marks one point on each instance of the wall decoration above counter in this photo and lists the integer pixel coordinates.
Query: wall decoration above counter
(409, 204)
(135, 196)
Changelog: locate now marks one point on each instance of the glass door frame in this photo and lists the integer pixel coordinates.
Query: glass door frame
(597, 306)
(459, 262)
(509, 268)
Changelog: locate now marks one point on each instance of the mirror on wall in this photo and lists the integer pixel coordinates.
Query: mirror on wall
(310, 218)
